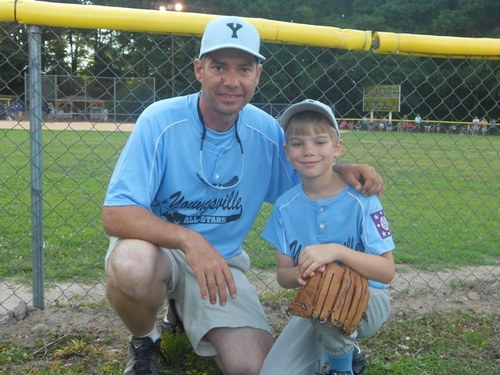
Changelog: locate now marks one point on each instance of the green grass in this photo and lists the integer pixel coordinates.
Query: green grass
(437, 343)
(441, 199)
(77, 167)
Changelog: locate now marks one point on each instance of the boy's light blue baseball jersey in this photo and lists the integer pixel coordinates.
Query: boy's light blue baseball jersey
(160, 170)
(349, 218)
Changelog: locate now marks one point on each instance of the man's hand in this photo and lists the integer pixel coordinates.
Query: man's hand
(211, 269)
(361, 177)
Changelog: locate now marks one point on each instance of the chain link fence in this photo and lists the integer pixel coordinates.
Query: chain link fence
(59, 144)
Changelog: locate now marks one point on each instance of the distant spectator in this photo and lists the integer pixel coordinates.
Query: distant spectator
(493, 126)
(418, 121)
(364, 123)
(474, 130)
(484, 125)
(381, 124)
(45, 109)
(464, 129)
(19, 111)
(410, 126)
(371, 125)
(11, 112)
(437, 128)
(402, 123)
(428, 127)
(388, 124)
(50, 112)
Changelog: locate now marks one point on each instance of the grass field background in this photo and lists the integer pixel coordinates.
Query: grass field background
(441, 199)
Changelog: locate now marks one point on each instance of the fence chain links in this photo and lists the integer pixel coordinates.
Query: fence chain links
(95, 87)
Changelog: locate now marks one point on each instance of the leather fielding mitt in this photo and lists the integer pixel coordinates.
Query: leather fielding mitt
(339, 296)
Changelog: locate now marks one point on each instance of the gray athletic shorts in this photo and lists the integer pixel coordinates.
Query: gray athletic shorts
(300, 347)
(198, 315)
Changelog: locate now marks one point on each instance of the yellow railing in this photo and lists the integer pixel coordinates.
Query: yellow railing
(29, 12)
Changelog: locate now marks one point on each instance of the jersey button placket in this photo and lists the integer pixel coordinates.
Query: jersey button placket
(322, 225)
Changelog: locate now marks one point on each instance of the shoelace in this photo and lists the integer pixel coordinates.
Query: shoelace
(143, 354)
(358, 360)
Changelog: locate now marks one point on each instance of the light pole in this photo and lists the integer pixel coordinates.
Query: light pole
(176, 7)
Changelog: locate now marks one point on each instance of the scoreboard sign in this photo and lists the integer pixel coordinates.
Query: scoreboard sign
(382, 98)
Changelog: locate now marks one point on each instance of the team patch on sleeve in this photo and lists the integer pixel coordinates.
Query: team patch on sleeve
(381, 223)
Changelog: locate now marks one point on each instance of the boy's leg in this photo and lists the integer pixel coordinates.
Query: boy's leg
(296, 351)
(379, 309)
(339, 349)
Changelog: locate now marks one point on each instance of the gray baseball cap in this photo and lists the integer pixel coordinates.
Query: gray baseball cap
(231, 32)
(308, 105)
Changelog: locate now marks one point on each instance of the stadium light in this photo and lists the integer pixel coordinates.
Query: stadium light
(176, 7)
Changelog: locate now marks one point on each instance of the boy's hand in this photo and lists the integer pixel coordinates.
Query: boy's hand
(314, 259)
(338, 296)
(303, 280)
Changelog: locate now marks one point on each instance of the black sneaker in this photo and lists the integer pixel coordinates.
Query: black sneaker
(171, 322)
(325, 370)
(333, 372)
(143, 356)
(358, 360)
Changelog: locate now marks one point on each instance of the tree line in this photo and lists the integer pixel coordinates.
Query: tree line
(108, 53)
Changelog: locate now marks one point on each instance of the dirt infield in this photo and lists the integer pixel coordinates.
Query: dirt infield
(76, 126)
(476, 288)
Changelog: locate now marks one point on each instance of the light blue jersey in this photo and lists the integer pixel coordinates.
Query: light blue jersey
(217, 190)
(349, 218)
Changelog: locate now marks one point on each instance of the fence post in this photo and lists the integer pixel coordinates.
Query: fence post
(35, 102)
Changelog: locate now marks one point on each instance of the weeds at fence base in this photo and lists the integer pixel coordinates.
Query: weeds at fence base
(92, 341)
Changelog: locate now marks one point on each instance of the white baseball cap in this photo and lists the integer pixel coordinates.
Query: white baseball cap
(308, 105)
(231, 32)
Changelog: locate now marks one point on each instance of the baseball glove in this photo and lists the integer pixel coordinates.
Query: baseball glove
(339, 296)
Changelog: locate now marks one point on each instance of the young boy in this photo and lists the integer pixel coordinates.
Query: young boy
(317, 222)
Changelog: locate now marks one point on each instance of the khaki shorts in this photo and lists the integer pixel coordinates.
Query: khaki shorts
(198, 315)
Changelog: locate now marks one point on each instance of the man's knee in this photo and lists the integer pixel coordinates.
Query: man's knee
(129, 257)
(134, 265)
